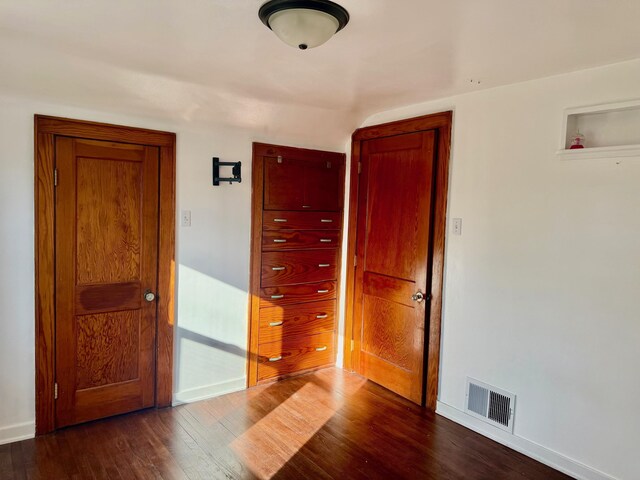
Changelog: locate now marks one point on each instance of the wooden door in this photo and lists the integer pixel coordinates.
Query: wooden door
(393, 235)
(106, 226)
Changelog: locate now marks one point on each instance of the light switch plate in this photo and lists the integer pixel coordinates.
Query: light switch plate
(185, 218)
(457, 226)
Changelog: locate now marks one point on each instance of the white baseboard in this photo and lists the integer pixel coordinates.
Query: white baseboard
(526, 447)
(17, 432)
(209, 391)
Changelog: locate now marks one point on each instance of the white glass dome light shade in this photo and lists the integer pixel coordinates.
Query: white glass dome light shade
(303, 28)
(303, 24)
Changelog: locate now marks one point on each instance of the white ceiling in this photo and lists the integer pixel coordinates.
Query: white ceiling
(213, 58)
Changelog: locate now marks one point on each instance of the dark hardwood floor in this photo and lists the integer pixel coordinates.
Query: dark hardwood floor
(329, 424)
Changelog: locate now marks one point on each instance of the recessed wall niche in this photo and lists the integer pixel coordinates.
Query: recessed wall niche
(610, 130)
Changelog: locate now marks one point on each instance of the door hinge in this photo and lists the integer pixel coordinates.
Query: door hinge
(55, 177)
(352, 344)
(55, 391)
(359, 168)
(355, 260)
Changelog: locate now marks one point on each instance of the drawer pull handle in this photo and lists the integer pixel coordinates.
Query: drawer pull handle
(275, 324)
(275, 359)
(280, 220)
(326, 220)
(325, 240)
(277, 269)
(323, 265)
(277, 297)
(324, 315)
(323, 291)
(306, 206)
(321, 349)
(279, 240)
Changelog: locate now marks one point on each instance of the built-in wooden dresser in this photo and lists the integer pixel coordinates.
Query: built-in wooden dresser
(295, 262)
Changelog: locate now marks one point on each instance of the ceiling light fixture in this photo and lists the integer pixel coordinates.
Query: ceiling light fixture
(303, 23)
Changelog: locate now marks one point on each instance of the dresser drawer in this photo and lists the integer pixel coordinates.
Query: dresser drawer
(291, 240)
(285, 268)
(294, 354)
(287, 220)
(278, 323)
(288, 294)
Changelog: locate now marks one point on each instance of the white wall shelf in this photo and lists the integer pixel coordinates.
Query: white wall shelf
(600, 152)
(611, 130)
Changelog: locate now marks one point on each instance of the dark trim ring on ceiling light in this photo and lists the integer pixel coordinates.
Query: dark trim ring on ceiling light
(325, 6)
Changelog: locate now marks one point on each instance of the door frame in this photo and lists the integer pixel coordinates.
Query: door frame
(46, 129)
(441, 122)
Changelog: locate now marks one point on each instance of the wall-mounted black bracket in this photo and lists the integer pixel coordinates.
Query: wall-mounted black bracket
(236, 171)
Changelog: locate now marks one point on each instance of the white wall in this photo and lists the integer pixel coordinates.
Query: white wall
(541, 289)
(212, 255)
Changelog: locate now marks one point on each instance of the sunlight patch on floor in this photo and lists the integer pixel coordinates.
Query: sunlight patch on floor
(269, 444)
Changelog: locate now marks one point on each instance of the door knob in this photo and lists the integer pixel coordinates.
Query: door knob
(149, 296)
(418, 296)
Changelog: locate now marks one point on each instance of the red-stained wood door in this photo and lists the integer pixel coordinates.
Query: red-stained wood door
(106, 259)
(393, 248)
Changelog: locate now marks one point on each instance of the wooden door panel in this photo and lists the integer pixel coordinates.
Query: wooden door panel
(307, 185)
(106, 257)
(386, 374)
(108, 220)
(322, 185)
(390, 332)
(392, 289)
(394, 214)
(283, 188)
(395, 208)
(107, 298)
(100, 402)
(107, 348)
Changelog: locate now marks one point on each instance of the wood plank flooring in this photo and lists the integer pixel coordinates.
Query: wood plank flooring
(325, 425)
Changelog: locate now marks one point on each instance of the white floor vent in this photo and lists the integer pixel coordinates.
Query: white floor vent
(490, 404)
